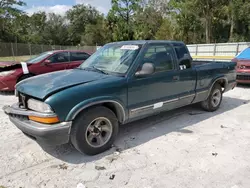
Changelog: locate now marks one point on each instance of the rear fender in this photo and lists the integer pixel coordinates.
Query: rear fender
(217, 80)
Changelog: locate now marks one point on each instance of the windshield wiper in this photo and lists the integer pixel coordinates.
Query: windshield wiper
(95, 69)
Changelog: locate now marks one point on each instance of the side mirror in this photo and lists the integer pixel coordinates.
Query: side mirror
(47, 61)
(147, 69)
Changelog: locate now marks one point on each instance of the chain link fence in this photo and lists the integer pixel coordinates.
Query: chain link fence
(223, 51)
(12, 51)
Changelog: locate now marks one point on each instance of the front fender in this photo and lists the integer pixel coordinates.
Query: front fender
(95, 101)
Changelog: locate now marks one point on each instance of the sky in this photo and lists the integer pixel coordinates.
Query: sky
(61, 6)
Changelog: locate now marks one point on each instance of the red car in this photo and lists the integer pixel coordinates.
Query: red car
(243, 66)
(13, 72)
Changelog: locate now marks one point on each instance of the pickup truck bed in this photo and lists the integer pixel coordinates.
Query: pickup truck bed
(120, 83)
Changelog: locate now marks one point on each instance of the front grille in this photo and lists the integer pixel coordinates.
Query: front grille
(243, 77)
(21, 117)
(22, 100)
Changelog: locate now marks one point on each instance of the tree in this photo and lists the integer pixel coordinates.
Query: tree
(8, 12)
(56, 30)
(79, 16)
(96, 34)
(122, 15)
(166, 31)
(147, 23)
(36, 27)
(185, 21)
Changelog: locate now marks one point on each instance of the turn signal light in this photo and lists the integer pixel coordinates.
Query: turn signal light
(45, 120)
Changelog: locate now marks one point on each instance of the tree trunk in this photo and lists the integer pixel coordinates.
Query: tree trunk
(208, 29)
(231, 38)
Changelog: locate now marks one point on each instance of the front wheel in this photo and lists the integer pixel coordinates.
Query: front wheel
(214, 99)
(94, 130)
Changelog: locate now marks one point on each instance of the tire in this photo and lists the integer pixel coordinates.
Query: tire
(23, 77)
(214, 99)
(87, 138)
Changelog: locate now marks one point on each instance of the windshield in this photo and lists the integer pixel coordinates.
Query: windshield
(112, 58)
(39, 57)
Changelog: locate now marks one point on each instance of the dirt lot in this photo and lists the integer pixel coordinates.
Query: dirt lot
(184, 148)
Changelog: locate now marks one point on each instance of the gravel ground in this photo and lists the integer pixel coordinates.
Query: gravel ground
(183, 148)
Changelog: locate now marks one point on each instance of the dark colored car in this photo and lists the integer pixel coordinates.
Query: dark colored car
(243, 66)
(120, 83)
(13, 72)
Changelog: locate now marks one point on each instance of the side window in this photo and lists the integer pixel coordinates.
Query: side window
(79, 56)
(162, 56)
(183, 56)
(60, 58)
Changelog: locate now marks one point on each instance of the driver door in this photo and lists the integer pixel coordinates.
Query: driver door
(153, 93)
(58, 61)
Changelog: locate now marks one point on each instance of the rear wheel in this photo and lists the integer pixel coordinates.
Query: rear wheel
(214, 99)
(94, 130)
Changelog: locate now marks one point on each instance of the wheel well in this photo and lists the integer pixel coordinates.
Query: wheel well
(20, 77)
(222, 83)
(114, 107)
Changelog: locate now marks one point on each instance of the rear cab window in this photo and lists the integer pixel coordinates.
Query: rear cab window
(184, 58)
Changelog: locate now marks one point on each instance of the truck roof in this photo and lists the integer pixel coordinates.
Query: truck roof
(147, 41)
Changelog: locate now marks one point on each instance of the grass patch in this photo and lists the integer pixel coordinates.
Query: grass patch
(17, 58)
(1, 186)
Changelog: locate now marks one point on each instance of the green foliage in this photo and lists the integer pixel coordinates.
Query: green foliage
(192, 21)
(79, 16)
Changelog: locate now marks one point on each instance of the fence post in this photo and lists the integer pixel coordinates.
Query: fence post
(196, 50)
(30, 49)
(13, 53)
(214, 54)
(42, 47)
(237, 48)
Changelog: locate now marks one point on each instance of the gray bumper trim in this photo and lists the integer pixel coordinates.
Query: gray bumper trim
(55, 134)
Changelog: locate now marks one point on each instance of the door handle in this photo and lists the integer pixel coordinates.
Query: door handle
(176, 78)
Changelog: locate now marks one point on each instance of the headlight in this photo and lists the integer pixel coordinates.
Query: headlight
(5, 73)
(39, 106)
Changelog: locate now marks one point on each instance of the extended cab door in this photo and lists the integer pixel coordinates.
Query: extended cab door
(187, 74)
(159, 91)
(76, 59)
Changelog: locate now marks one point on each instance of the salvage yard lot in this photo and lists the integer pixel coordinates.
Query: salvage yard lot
(186, 147)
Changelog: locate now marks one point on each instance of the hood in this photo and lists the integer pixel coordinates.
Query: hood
(9, 65)
(47, 84)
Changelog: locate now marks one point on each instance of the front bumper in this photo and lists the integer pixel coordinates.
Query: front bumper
(243, 77)
(56, 134)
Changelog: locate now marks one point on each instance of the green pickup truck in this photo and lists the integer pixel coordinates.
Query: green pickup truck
(120, 83)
